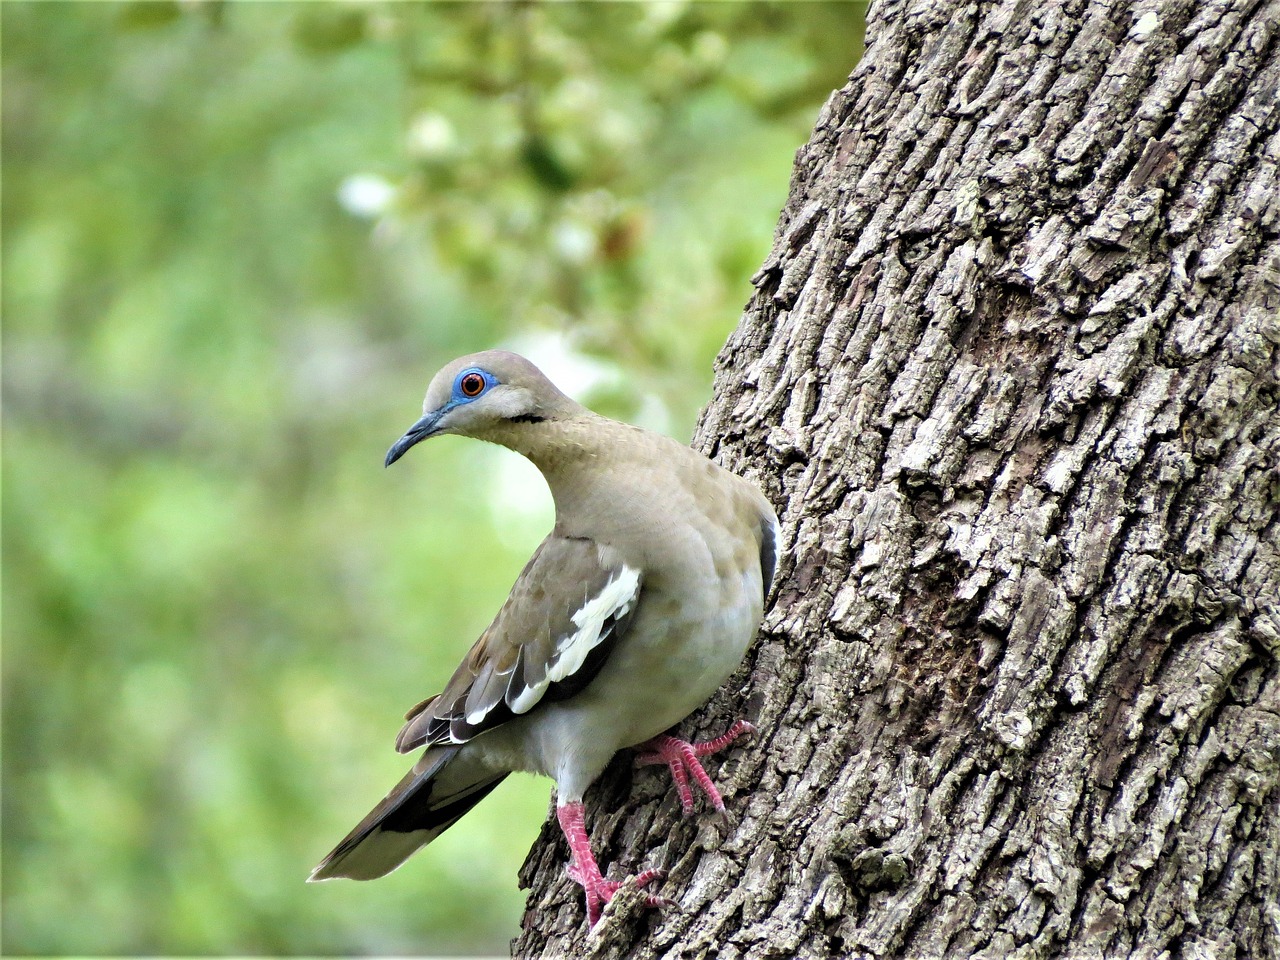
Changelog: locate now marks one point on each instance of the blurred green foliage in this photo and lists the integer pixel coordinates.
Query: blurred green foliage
(238, 239)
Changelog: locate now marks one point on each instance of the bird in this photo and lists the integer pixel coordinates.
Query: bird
(635, 608)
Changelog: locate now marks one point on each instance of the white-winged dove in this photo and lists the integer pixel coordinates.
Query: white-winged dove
(635, 608)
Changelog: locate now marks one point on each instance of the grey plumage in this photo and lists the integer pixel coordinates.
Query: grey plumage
(638, 604)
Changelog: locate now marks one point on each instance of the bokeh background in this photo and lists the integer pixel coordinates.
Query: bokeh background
(237, 241)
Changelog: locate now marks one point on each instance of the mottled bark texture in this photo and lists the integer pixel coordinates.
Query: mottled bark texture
(1011, 377)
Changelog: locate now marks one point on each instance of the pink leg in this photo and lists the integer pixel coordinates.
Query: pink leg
(681, 757)
(585, 871)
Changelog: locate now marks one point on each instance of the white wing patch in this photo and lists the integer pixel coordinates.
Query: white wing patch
(528, 697)
(613, 602)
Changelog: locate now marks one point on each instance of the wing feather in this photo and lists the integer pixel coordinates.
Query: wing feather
(769, 536)
(568, 608)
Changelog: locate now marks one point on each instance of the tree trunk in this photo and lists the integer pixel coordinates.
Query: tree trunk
(1010, 376)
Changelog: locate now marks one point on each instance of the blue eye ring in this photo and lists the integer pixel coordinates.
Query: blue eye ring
(470, 384)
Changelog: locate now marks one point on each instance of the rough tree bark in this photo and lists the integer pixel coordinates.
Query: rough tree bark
(1011, 377)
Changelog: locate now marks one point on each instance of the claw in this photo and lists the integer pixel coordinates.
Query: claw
(584, 871)
(681, 757)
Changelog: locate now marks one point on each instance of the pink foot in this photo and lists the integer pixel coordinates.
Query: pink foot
(584, 870)
(681, 757)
